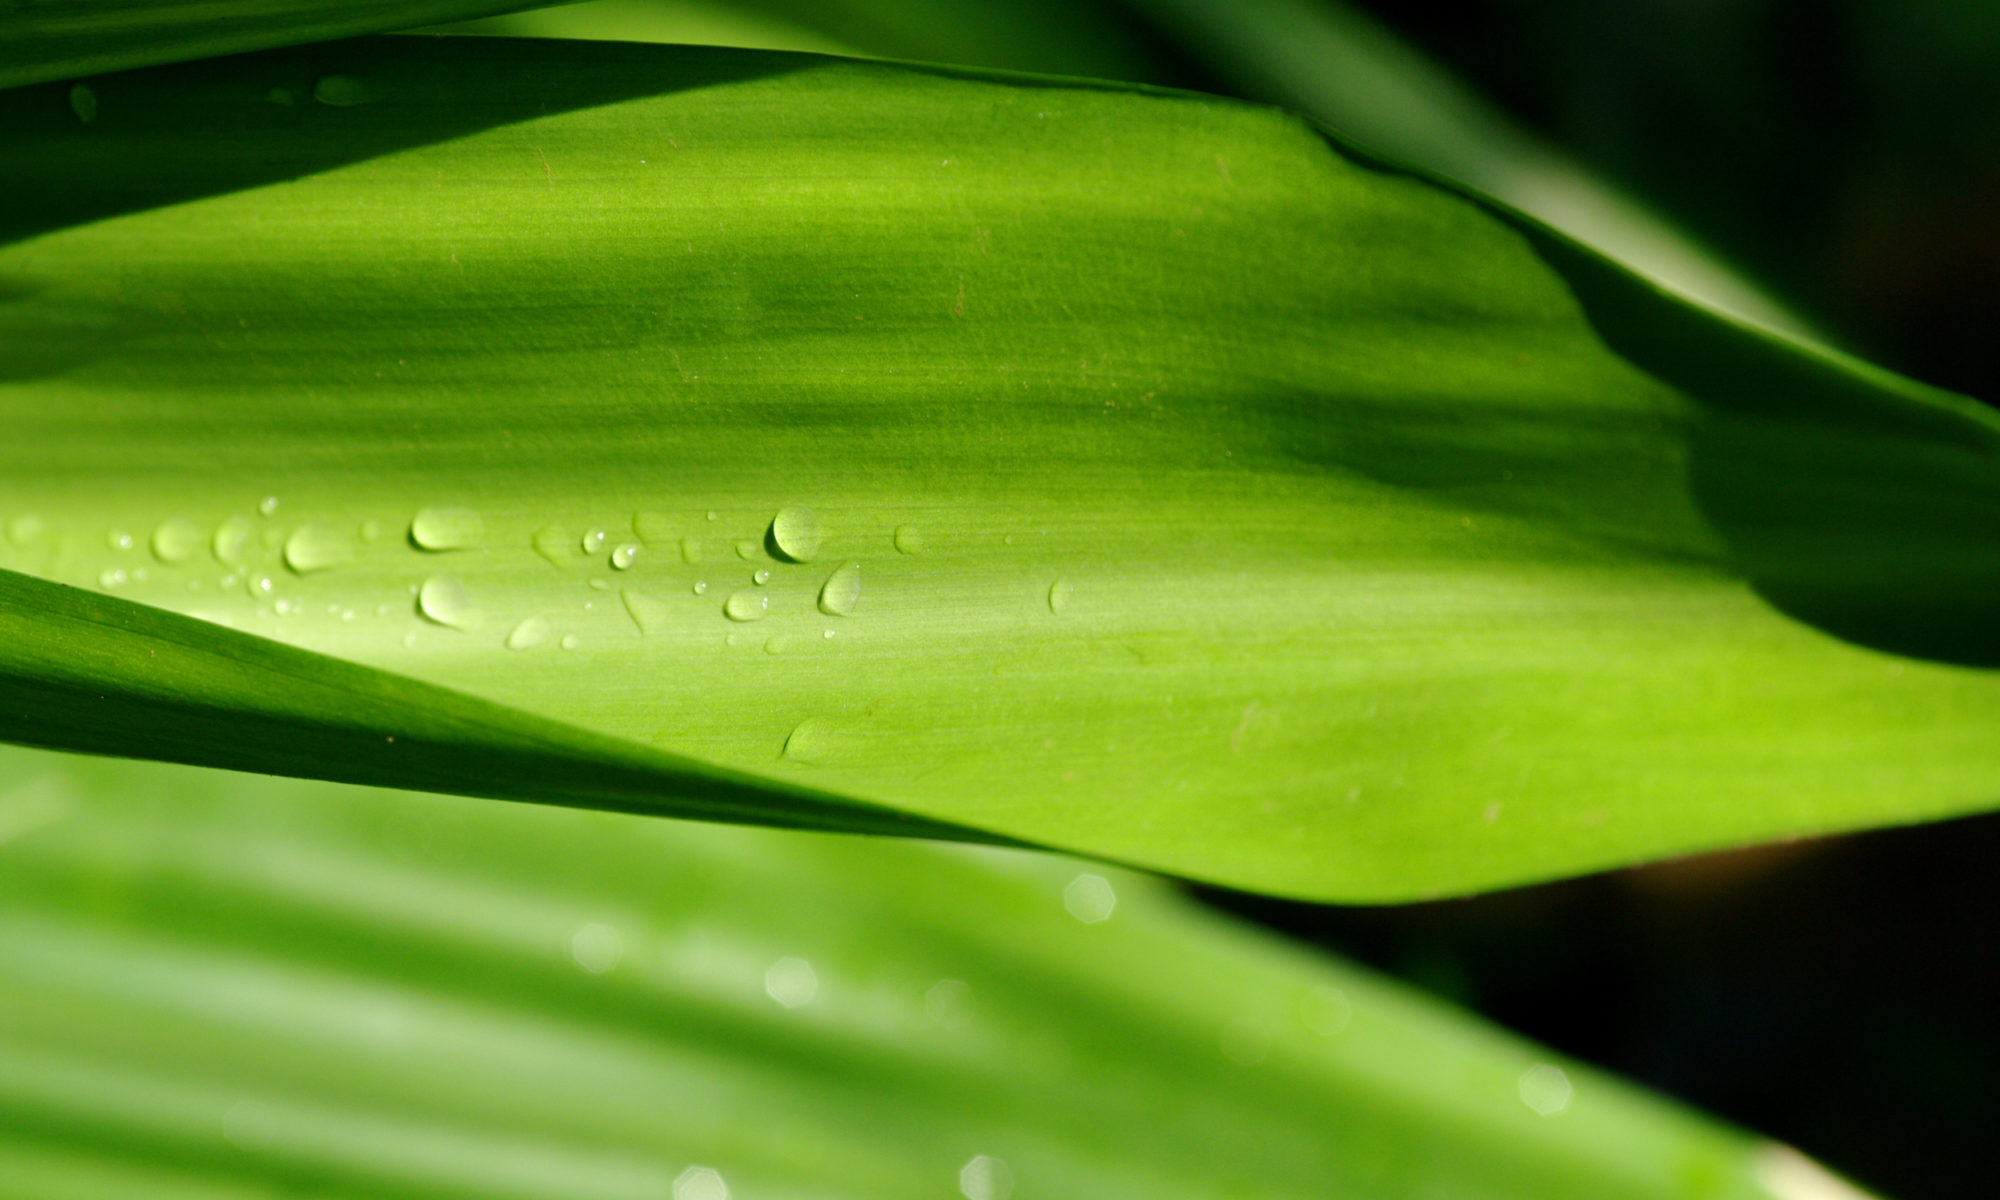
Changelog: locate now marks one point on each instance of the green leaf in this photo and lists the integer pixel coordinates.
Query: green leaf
(235, 986)
(1224, 503)
(42, 40)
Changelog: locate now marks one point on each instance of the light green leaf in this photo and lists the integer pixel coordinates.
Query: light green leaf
(42, 40)
(224, 986)
(1222, 503)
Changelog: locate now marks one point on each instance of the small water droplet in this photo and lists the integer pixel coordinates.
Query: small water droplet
(1546, 1089)
(25, 530)
(267, 505)
(443, 599)
(599, 585)
(909, 540)
(649, 614)
(792, 982)
(624, 556)
(795, 533)
(571, 641)
(176, 540)
(654, 529)
(596, 947)
(118, 539)
(341, 91)
(283, 608)
(700, 1183)
(746, 606)
(842, 590)
(777, 644)
(260, 586)
(762, 577)
(690, 550)
(530, 633)
(230, 538)
(442, 529)
(1090, 898)
(593, 541)
(83, 102)
(828, 635)
(747, 550)
(1008, 540)
(985, 1178)
(712, 514)
(554, 544)
(315, 548)
(1059, 595)
(700, 586)
(813, 740)
(347, 614)
(111, 577)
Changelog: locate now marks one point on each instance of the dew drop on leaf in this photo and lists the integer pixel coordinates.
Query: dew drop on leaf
(176, 540)
(443, 599)
(118, 539)
(624, 556)
(812, 741)
(909, 540)
(652, 528)
(83, 102)
(230, 538)
(690, 550)
(747, 550)
(530, 633)
(341, 91)
(593, 541)
(554, 544)
(315, 548)
(762, 577)
(111, 577)
(795, 533)
(842, 590)
(440, 529)
(1059, 595)
(746, 606)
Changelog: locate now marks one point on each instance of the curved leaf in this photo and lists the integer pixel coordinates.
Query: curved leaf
(223, 986)
(1222, 502)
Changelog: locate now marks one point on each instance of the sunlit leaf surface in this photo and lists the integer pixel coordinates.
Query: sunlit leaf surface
(232, 986)
(1123, 471)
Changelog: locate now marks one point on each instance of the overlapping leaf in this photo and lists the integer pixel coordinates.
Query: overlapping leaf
(1221, 502)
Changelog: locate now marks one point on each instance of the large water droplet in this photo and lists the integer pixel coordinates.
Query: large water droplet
(315, 548)
(624, 556)
(441, 529)
(842, 590)
(83, 102)
(176, 540)
(909, 540)
(795, 533)
(230, 538)
(653, 528)
(690, 550)
(554, 544)
(1059, 595)
(530, 633)
(443, 599)
(746, 606)
(341, 91)
(812, 741)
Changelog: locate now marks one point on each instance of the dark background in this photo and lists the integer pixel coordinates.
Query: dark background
(1843, 995)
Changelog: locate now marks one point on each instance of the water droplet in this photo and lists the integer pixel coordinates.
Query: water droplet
(712, 514)
(1545, 1088)
(347, 614)
(985, 1178)
(441, 529)
(83, 102)
(909, 540)
(624, 556)
(530, 633)
(315, 548)
(341, 91)
(176, 540)
(1326, 1010)
(596, 947)
(283, 608)
(571, 641)
(690, 550)
(267, 505)
(777, 644)
(700, 1183)
(554, 544)
(118, 539)
(747, 550)
(260, 586)
(278, 95)
(812, 741)
(654, 529)
(648, 614)
(762, 577)
(111, 577)
(599, 585)
(700, 586)
(792, 982)
(795, 533)
(1090, 898)
(443, 599)
(842, 590)
(593, 541)
(230, 538)
(25, 530)
(828, 635)
(746, 606)
(1059, 595)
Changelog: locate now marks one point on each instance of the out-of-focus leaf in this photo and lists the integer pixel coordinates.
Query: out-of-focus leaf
(59, 39)
(225, 986)
(1221, 502)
